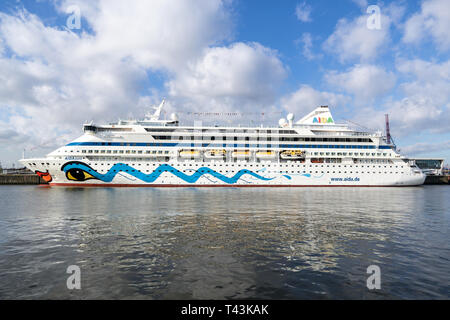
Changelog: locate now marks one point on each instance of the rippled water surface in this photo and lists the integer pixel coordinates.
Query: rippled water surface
(216, 243)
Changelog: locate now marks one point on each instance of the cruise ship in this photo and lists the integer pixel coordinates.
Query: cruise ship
(314, 151)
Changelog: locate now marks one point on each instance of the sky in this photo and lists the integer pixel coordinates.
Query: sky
(63, 63)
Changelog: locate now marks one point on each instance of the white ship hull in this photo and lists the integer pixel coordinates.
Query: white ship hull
(222, 174)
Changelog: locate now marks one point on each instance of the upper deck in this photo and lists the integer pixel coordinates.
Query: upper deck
(317, 127)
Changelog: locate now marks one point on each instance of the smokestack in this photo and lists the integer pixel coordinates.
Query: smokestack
(388, 132)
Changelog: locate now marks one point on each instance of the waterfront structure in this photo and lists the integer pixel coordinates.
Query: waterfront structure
(446, 170)
(430, 166)
(314, 151)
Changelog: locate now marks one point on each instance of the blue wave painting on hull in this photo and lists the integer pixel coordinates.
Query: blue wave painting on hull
(79, 171)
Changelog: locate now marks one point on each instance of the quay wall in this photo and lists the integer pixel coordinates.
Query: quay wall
(437, 179)
(21, 179)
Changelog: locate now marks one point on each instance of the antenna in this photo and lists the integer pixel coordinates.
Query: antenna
(155, 116)
(388, 132)
(158, 109)
(360, 126)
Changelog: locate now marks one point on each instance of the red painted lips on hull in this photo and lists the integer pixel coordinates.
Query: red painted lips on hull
(44, 175)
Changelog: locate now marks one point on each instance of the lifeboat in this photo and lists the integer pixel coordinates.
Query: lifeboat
(240, 154)
(189, 154)
(215, 154)
(292, 154)
(266, 154)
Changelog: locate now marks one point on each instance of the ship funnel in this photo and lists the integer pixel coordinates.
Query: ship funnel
(319, 116)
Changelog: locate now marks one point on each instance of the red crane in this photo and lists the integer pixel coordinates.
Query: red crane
(388, 132)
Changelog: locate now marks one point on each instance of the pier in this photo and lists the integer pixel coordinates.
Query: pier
(441, 179)
(21, 179)
(19, 176)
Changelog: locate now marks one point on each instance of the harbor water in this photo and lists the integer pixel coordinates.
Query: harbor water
(224, 243)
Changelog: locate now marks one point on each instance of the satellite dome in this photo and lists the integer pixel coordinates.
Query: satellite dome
(290, 117)
(282, 122)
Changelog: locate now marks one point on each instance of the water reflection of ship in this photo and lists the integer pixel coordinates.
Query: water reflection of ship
(199, 237)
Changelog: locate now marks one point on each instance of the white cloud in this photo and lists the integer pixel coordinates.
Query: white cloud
(303, 12)
(365, 82)
(307, 45)
(53, 80)
(352, 40)
(426, 147)
(425, 71)
(422, 103)
(2, 48)
(7, 135)
(361, 3)
(396, 12)
(408, 116)
(155, 33)
(432, 20)
(306, 98)
(240, 76)
(414, 29)
(431, 81)
(412, 114)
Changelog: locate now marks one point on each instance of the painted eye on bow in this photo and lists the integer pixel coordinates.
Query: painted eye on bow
(78, 175)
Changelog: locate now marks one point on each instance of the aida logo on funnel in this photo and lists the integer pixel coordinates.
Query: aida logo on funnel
(322, 120)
